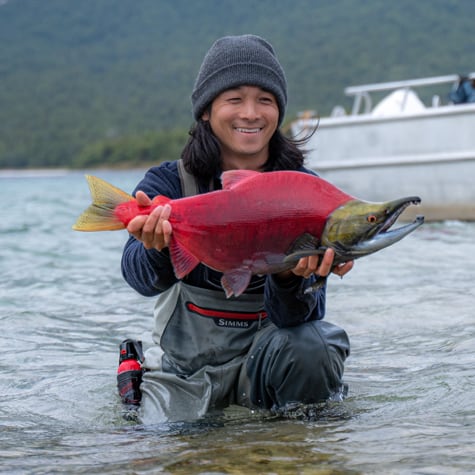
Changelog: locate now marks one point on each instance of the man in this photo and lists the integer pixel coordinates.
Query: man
(269, 347)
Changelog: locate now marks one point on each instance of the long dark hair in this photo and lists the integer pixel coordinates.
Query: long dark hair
(202, 154)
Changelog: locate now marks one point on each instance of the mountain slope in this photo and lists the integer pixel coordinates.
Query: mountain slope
(73, 72)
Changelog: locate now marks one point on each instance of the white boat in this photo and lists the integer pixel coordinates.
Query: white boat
(400, 147)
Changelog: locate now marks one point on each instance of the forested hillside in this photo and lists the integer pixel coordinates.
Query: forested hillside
(79, 75)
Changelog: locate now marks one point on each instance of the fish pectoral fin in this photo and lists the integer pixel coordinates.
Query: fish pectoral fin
(305, 245)
(340, 249)
(304, 241)
(295, 256)
(183, 261)
(235, 282)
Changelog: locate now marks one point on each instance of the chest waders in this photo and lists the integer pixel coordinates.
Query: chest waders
(210, 352)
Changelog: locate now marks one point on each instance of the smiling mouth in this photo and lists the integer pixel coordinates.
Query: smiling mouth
(254, 130)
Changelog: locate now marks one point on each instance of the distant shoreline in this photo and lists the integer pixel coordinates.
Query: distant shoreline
(56, 172)
(33, 172)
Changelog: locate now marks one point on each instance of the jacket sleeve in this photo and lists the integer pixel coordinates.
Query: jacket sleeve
(150, 272)
(287, 304)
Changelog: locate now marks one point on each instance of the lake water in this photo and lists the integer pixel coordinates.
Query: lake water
(64, 308)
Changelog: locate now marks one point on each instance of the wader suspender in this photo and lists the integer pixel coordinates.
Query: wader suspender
(189, 185)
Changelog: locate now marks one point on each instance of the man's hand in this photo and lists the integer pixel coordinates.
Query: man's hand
(318, 265)
(154, 230)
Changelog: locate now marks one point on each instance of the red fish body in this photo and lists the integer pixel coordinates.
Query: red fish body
(259, 223)
(249, 226)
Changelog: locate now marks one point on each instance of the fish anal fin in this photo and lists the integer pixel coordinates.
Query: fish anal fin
(231, 178)
(235, 282)
(183, 261)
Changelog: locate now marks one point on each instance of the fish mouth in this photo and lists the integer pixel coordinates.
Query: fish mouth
(383, 235)
(398, 209)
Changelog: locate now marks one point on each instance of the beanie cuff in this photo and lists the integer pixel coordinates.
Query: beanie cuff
(235, 75)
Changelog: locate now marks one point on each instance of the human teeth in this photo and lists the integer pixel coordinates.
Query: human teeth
(249, 131)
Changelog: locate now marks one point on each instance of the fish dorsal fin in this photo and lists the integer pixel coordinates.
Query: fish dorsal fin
(235, 282)
(183, 261)
(231, 178)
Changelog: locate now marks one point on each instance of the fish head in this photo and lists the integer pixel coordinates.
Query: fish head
(358, 228)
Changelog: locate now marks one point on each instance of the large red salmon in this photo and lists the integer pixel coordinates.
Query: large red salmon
(259, 223)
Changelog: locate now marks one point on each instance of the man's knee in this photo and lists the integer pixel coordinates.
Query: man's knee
(316, 342)
(297, 364)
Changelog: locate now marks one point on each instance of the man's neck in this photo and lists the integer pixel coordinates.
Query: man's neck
(243, 163)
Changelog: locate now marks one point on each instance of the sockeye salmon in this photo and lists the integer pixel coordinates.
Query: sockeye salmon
(259, 223)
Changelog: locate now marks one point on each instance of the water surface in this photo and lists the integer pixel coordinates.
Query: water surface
(64, 308)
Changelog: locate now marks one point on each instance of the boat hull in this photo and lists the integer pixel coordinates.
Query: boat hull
(430, 154)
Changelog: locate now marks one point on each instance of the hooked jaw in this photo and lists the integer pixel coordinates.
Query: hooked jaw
(398, 206)
(383, 236)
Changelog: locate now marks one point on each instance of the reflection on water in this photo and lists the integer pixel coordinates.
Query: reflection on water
(64, 308)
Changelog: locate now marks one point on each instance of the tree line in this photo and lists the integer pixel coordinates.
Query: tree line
(93, 83)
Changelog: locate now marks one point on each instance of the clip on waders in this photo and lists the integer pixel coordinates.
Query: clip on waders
(129, 373)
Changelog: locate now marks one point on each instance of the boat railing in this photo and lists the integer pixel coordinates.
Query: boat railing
(362, 102)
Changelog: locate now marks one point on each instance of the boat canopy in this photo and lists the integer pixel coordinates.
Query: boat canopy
(400, 101)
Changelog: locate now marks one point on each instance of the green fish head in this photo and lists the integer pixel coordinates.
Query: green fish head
(359, 228)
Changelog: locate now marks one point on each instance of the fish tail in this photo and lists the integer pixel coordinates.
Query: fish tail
(100, 215)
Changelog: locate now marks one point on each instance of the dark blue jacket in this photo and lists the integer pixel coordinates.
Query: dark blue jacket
(150, 272)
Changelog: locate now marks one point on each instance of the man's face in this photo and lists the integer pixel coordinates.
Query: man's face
(244, 120)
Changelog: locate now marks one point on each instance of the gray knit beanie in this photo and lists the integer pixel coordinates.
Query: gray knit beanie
(234, 61)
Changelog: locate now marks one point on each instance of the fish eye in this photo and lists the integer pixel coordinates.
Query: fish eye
(371, 218)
